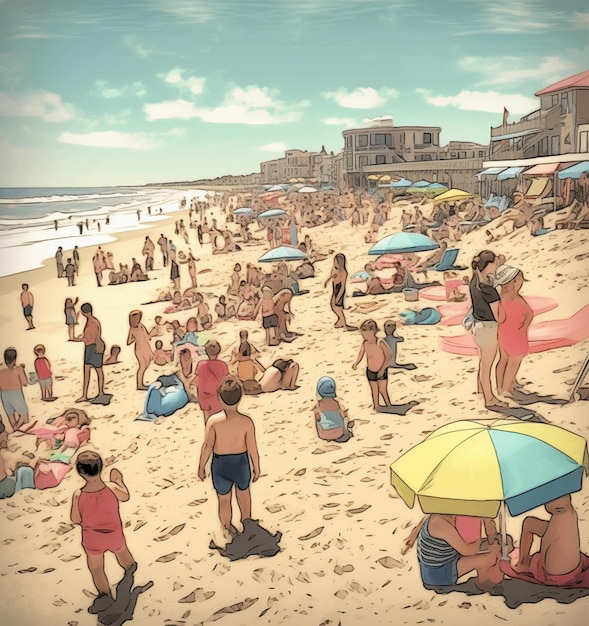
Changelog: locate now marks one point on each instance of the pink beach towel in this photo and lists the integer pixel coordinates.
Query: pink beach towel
(438, 292)
(453, 312)
(577, 579)
(542, 336)
(50, 473)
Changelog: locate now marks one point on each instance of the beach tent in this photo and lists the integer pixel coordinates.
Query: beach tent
(575, 171)
(403, 243)
(453, 194)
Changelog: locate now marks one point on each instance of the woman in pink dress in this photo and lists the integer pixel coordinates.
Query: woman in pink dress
(513, 331)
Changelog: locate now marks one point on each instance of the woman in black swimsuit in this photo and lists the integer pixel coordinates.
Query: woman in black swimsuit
(339, 276)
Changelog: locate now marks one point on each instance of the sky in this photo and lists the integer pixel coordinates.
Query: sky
(113, 92)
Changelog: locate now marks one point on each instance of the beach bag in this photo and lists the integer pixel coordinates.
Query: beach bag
(468, 321)
(164, 397)
(49, 473)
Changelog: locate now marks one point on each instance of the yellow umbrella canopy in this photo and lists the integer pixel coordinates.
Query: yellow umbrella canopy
(372, 177)
(470, 467)
(385, 179)
(293, 180)
(453, 194)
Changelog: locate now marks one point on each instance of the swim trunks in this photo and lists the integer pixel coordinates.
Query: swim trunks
(373, 376)
(14, 402)
(270, 321)
(91, 357)
(45, 382)
(230, 469)
(27, 310)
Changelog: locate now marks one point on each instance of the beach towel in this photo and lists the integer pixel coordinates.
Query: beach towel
(577, 579)
(163, 398)
(439, 292)
(542, 336)
(254, 540)
(453, 313)
(50, 473)
(424, 317)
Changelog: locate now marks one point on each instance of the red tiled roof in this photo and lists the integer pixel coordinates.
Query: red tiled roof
(578, 80)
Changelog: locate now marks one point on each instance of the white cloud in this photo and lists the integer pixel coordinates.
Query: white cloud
(241, 105)
(110, 139)
(580, 21)
(138, 49)
(339, 121)
(521, 16)
(362, 97)
(193, 84)
(43, 104)
(171, 109)
(511, 69)
(486, 101)
(107, 92)
(276, 146)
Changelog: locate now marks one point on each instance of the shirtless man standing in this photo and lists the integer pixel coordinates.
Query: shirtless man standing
(559, 560)
(27, 300)
(231, 437)
(12, 380)
(93, 351)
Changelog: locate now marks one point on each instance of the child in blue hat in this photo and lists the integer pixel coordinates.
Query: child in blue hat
(331, 418)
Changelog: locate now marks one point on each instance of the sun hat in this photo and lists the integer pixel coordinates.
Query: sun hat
(505, 274)
(326, 387)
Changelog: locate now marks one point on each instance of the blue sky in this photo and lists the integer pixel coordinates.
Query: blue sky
(109, 92)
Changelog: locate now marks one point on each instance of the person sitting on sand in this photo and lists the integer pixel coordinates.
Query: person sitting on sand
(223, 311)
(519, 215)
(378, 357)
(140, 337)
(231, 438)
(209, 374)
(113, 357)
(433, 259)
(204, 316)
(190, 335)
(177, 330)
(161, 356)
(331, 418)
(12, 381)
(137, 274)
(248, 300)
(444, 556)
(282, 374)
(248, 365)
(157, 330)
(95, 507)
(559, 561)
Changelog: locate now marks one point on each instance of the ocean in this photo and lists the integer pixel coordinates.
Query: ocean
(28, 217)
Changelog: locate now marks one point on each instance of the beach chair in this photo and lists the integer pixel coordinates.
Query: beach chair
(446, 263)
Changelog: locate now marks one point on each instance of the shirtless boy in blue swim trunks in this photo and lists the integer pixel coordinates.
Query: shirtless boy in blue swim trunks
(231, 437)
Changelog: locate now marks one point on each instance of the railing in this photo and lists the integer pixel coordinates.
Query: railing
(517, 127)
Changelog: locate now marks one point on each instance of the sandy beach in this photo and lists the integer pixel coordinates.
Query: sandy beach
(343, 525)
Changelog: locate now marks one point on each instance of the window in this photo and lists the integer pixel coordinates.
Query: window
(348, 142)
(349, 162)
(481, 153)
(381, 159)
(452, 155)
(381, 139)
(402, 139)
(426, 157)
(427, 137)
(564, 104)
(584, 141)
(462, 155)
(554, 100)
(555, 144)
(362, 161)
(362, 141)
(543, 147)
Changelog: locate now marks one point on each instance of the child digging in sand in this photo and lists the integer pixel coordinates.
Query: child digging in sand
(96, 508)
(378, 358)
(231, 437)
(43, 370)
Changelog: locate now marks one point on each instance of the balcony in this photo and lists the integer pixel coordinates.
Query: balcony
(535, 121)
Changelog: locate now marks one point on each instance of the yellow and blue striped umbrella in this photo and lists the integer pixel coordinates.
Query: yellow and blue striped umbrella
(470, 467)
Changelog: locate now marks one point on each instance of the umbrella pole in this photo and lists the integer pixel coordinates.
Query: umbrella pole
(503, 524)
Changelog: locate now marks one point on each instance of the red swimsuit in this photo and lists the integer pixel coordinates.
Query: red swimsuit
(102, 529)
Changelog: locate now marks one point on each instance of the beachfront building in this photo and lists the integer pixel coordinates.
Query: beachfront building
(412, 152)
(320, 167)
(559, 126)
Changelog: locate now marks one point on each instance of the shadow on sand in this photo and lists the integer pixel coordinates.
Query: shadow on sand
(523, 414)
(398, 409)
(122, 609)
(517, 592)
(524, 398)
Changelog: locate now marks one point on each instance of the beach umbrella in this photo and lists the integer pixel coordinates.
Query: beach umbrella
(436, 186)
(292, 180)
(385, 179)
(372, 177)
(302, 180)
(421, 183)
(272, 213)
(245, 210)
(307, 190)
(452, 195)
(276, 188)
(401, 183)
(283, 253)
(402, 243)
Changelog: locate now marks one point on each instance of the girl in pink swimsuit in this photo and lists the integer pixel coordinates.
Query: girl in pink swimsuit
(513, 331)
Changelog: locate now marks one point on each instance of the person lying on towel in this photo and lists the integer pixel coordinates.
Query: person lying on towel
(560, 561)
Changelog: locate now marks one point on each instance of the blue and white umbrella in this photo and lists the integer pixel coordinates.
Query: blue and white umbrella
(403, 243)
(401, 183)
(283, 253)
(272, 213)
(245, 210)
